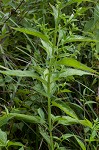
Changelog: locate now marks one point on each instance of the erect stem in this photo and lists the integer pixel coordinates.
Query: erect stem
(51, 146)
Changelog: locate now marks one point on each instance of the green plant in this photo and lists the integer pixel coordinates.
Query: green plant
(50, 76)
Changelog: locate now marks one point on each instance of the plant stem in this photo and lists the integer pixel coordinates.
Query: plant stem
(51, 146)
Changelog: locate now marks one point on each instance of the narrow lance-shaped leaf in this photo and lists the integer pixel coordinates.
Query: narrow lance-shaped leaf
(21, 73)
(70, 72)
(81, 144)
(27, 118)
(11, 143)
(75, 38)
(33, 32)
(64, 107)
(76, 64)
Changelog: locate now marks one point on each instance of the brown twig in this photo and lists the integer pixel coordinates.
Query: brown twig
(15, 11)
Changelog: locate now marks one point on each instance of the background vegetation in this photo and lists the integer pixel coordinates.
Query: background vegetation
(49, 92)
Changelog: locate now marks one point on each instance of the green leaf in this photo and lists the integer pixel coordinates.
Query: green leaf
(41, 113)
(47, 48)
(33, 32)
(3, 138)
(45, 135)
(3, 67)
(89, 102)
(22, 148)
(81, 144)
(52, 81)
(76, 64)
(64, 91)
(5, 2)
(86, 122)
(78, 38)
(70, 72)
(65, 120)
(76, 1)
(88, 26)
(55, 12)
(64, 107)
(66, 136)
(4, 119)
(28, 118)
(11, 143)
(21, 73)
(96, 13)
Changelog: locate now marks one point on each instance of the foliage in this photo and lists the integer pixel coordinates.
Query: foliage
(49, 74)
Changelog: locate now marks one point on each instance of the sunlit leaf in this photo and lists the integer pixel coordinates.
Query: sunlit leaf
(64, 107)
(47, 48)
(11, 143)
(33, 32)
(55, 12)
(52, 82)
(3, 138)
(81, 144)
(22, 148)
(41, 113)
(86, 122)
(27, 118)
(78, 38)
(70, 72)
(76, 64)
(4, 119)
(66, 136)
(65, 120)
(21, 73)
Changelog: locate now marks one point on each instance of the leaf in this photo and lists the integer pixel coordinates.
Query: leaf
(64, 107)
(11, 143)
(40, 90)
(64, 91)
(21, 73)
(66, 136)
(55, 12)
(65, 120)
(96, 13)
(70, 72)
(86, 122)
(90, 102)
(52, 82)
(41, 113)
(76, 64)
(76, 1)
(3, 67)
(22, 148)
(4, 119)
(5, 2)
(81, 144)
(78, 38)
(28, 118)
(45, 135)
(88, 26)
(33, 32)
(47, 48)
(3, 138)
